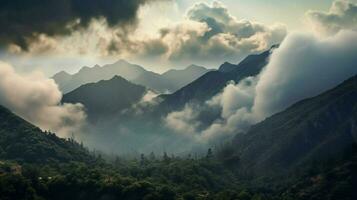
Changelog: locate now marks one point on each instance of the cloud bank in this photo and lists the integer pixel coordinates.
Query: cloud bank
(183, 122)
(37, 99)
(304, 66)
(210, 33)
(342, 15)
(207, 34)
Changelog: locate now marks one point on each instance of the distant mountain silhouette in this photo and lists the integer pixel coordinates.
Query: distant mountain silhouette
(180, 78)
(106, 97)
(166, 83)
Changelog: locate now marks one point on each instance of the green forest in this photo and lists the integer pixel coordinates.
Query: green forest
(165, 177)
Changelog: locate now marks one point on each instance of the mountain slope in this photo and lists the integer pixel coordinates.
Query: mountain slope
(23, 142)
(106, 97)
(336, 179)
(131, 72)
(313, 129)
(213, 82)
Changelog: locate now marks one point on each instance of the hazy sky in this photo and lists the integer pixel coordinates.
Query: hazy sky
(159, 34)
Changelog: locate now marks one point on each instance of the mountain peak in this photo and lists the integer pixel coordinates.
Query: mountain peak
(195, 67)
(117, 77)
(84, 69)
(227, 67)
(121, 62)
(106, 97)
(62, 74)
(132, 72)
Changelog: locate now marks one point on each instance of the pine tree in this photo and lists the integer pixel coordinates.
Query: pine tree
(152, 156)
(209, 153)
(166, 158)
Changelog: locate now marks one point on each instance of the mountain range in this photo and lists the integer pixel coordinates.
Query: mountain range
(213, 82)
(108, 98)
(314, 129)
(167, 82)
(307, 151)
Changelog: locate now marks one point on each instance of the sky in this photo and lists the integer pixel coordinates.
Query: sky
(157, 34)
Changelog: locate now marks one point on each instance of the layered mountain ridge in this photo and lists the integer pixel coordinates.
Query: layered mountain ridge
(162, 83)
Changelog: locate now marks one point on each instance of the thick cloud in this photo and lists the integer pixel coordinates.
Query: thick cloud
(218, 18)
(210, 34)
(235, 101)
(21, 21)
(244, 92)
(304, 66)
(37, 99)
(183, 121)
(342, 15)
(207, 35)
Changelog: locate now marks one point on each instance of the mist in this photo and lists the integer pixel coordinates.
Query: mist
(37, 99)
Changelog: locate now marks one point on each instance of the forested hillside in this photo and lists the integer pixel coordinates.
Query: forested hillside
(22, 142)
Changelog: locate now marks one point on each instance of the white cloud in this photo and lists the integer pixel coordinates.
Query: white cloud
(149, 97)
(235, 96)
(342, 15)
(304, 66)
(211, 34)
(183, 122)
(235, 101)
(37, 99)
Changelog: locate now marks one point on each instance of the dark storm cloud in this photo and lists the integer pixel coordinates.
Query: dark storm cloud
(20, 20)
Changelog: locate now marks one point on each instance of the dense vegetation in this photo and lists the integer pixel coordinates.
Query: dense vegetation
(172, 178)
(23, 142)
